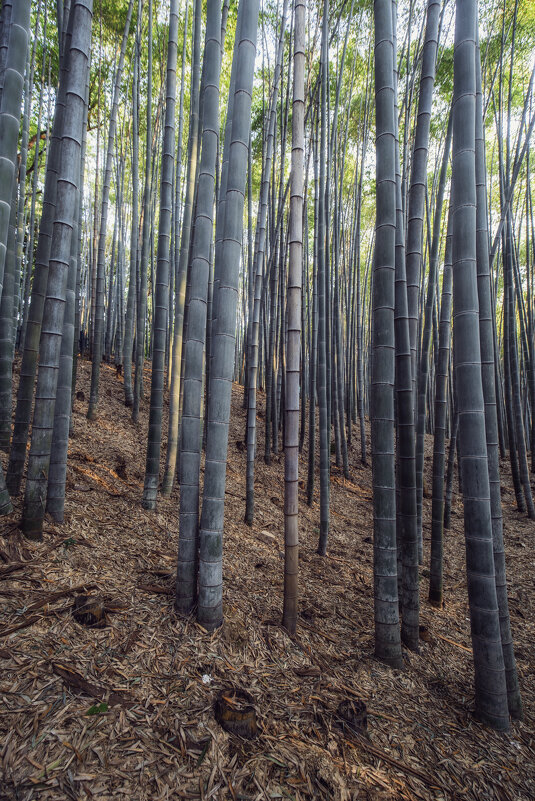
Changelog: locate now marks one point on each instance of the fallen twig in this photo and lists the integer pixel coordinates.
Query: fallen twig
(9, 569)
(25, 623)
(155, 588)
(76, 682)
(452, 642)
(6, 532)
(379, 754)
(54, 596)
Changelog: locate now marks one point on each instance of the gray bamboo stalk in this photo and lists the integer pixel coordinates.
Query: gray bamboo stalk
(323, 311)
(341, 441)
(160, 313)
(341, 370)
(509, 407)
(118, 326)
(63, 22)
(510, 318)
(436, 567)
(171, 288)
(220, 179)
(77, 295)
(490, 685)
(486, 333)
(293, 349)
(10, 109)
(305, 311)
(250, 280)
(273, 279)
(54, 309)
(23, 411)
(423, 372)
(5, 28)
(112, 277)
(141, 307)
(178, 311)
(406, 518)
(35, 179)
(518, 161)
(98, 328)
(313, 336)
(210, 606)
(276, 357)
(92, 278)
(6, 328)
(258, 269)
(185, 237)
(134, 235)
(387, 633)
(359, 322)
(62, 409)
(222, 191)
(194, 341)
(28, 90)
(448, 489)
(69, 349)
(173, 418)
(418, 180)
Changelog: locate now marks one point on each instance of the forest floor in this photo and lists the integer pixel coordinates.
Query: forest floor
(126, 711)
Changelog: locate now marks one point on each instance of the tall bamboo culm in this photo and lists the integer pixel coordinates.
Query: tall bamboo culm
(490, 686)
(60, 254)
(210, 606)
(160, 319)
(387, 632)
(194, 342)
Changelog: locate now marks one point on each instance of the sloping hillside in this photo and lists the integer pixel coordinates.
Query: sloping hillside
(127, 710)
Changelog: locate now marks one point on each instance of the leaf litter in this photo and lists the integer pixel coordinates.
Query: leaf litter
(125, 712)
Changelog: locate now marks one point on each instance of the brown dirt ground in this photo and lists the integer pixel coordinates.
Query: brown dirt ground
(158, 738)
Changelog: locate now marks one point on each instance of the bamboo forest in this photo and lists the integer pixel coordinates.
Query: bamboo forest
(267, 400)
